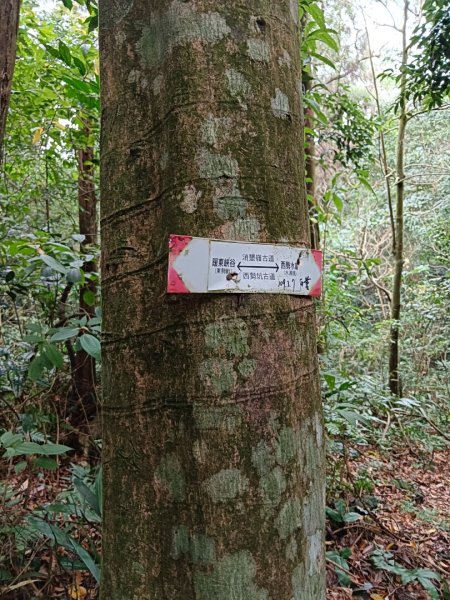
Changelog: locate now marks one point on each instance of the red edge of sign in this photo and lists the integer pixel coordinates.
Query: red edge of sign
(177, 243)
(318, 257)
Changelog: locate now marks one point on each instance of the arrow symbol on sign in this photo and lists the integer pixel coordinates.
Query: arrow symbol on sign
(241, 266)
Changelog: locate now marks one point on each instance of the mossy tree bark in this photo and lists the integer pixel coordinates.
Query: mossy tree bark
(9, 23)
(213, 445)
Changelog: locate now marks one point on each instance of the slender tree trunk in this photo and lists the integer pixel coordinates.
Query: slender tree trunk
(213, 446)
(84, 368)
(310, 158)
(383, 152)
(395, 385)
(9, 23)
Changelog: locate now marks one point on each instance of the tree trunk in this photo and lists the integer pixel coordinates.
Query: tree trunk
(84, 368)
(9, 23)
(310, 159)
(213, 445)
(395, 384)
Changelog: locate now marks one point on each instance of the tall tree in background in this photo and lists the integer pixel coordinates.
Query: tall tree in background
(213, 461)
(395, 384)
(9, 23)
(423, 81)
(84, 364)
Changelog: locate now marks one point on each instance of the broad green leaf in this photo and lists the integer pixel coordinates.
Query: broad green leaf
(32, 338)
(91, 345)
(47, 449)
(45, 463)
(89, 297)
(94, 321)
(93, 23)
(88, 495)
(20, 466)
(53, 263)
(10, 439)
(323, 59)
(317, 14)
(429, 587)
(336, 557)
(54, 355)
(64, 53)
(36, 368)
(352, 517)
(334, 515)
(331, 380)
(50, 449)
(337, 201)
(61, 538)
(315, 106)
(80, 65)
(64, 333)
(323, 36)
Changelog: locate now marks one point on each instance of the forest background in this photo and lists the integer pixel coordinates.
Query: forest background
(376, 80)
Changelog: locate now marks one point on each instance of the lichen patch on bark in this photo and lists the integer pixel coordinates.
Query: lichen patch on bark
(233, 577)
(258, 50)
(247, 367)
(225, 418)
(294, 10)
(291, 551)
(202, 549)
(218, 375)
(228, 202)
(190, 199)
(157, 84)
(180, 24)
(211, 165)
(229, 336)
(243, 228)
(237, 83)
(306, 586)
(262, 458)
(197, 547)
(289, 518)
(273, 485)
(215, 130)
(280, 104)
(170, 474)
(226, 485)
(286, 445)
(285, 59)
(180, 541)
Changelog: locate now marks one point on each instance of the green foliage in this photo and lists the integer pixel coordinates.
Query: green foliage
(353, 129)
(340, 514)
(385, 561)
(428, 72)
(59, 524)
(41, 258)
(339, 557)
(15, 444)
(42, 272)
